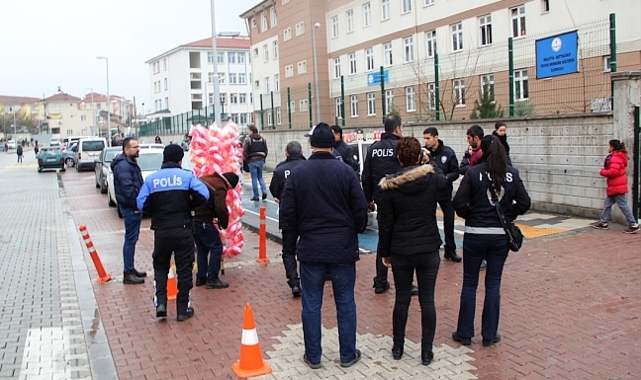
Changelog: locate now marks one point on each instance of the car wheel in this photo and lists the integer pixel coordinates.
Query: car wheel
(70, 162)
(78, 168)
(63, 170)
(39, 169)
(110, 201)
(119, 213)
(103, 188)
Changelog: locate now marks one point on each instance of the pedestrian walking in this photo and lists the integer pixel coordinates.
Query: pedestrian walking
(614, 169)
(410, 241)
(324, 205)
(186, 142)
(170, 195)
(254, 154)
(36, 149)
(20, 153)
(500, 131)
(444, 157)
(211, 217)
(485, 236)
(127, 184)
(294, 157)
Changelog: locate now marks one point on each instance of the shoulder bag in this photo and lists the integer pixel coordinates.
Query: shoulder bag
(513, 232)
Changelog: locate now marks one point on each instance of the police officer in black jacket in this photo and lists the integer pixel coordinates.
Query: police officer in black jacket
(342, 149)
(444, 157)
(294, 154)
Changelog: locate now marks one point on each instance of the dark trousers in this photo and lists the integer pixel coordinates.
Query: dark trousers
(210, 249)
(289, 258)
(448, 224)
(403, 267)
(180, 242)
(381, 269)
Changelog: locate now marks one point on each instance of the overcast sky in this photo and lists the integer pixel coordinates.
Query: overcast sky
(51, 43)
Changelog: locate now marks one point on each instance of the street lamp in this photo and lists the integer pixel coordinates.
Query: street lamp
(318, 117)
(93, 110)
(108, 100)
(217, 116)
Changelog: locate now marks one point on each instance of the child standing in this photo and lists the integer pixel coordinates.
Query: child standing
(614, 169)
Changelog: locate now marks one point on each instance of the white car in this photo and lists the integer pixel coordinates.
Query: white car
(54, 142)
(11, 144)
(149, 161)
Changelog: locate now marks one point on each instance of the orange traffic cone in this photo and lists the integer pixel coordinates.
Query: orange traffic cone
(172, 288)
(251, 359)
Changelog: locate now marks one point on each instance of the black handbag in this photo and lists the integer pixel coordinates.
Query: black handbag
(513, 232)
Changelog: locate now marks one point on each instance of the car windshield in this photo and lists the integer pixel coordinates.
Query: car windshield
(111, 154)
(150, 162)
(93, 146)
(50, 151)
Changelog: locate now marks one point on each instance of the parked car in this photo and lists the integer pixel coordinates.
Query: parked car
(149, 161)
(54, 141)
(151, 145)
(88, 150)
(103, 167)
(11, 144)
(50, 158)
(70, 155)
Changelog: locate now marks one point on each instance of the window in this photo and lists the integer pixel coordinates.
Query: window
(240, 56)
(264, 25)
(487, 83)
(521, 91)
(459, 91)
(257, 83)
(279, 119)
(369, 59)
(302, 67)
(371, 104)
(338, 108)
(223, 98)
(431, 96)
(352, 63)
(353, 100)
(408, 50)
(349, 16)
(367, 14)
(337, 68)
(83, 117)
(210, 57)
(221, 78)
(276, 82)
(606, 64)
(233, 98)
(406, 6)
(255, 52)
(300, 28)
(292, 106)
(410, 99)
(287, 34)
(387, 53)
(485, 30)
(389, 101)
(221, 57)
(457, 36)
(156, 66)
(242, 98)
(268, 88)
(166, 84)
(274, 19)
(269, 117)
(275, 48)
(334, 26)
(428, 2)
(304, 105)
(233, 78)
(430, 37)
(231, 57)
(385, 10)
(242, 78)
(518, 21)
(164, 64)
(69, 132)
(289, 71)
(545, 6)
(265, 53)
(243, 119)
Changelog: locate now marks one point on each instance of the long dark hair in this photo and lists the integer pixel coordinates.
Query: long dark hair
(494, 155)
(618, 145)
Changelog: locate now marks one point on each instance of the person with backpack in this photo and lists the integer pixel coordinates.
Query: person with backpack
(20, 152)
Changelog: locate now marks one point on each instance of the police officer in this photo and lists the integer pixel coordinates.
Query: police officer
(294, 154)
(170, 196)
(444, 157)
(342, 149)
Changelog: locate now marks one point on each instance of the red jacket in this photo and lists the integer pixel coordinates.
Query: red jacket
(614, 171)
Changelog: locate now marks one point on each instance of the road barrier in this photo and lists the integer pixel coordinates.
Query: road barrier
(103, 276)
(251, 361)
(262, 238)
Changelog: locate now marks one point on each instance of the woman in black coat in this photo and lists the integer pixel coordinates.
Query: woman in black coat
(500, 131)
(409, 240)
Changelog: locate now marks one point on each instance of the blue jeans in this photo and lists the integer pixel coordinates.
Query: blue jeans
(494, 248)
(619, 199)
(256, 171)
(132, 230)
(343, 276)
(208, 240)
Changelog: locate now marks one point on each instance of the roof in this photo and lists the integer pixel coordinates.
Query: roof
(257, 8)
(62, 97)
(240, 43)
(17, 100)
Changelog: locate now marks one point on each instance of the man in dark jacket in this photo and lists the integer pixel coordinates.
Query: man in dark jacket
(294, 154)
(210, 247)
(323, 204)
(170, 195)
(342, 149)
(474, 135)
(444, 157)
(255, 153)
(127, 184)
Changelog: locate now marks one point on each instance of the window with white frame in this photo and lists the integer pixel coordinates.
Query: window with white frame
(428, 2)
(210, 57)
(335, 27)
(485, 30)
(231, 57)
(221, 57)
(274, 18)
(287, 34)
(303, 105)
(389, 100)
(459, 91)
(410, 99)
(430, 37)
(518, 21)
(521, 88)
(243, 119)
(302, 67)
(369, 59)
(240, 56)
(292, 106)
(371, 104)
(233, 98)
(242, 98)
(349, 17)
(257, 83)
(221, 78)
(487, 84)
(264, 22)
(545, 6)
(353, 102)
(268, 88)
(275, 48)
(255, 52)
(223, 98)
(166, 84)
(338, 108)
(289, 71)
(164, 64)
(337, 68)
(457, 36)
(269, 117)
(406, 6)
(431, 96)
(385, 10)
(387, 53)
(367, 14)
(408, 48)
(279, 119)
(242, 78)
(352, 63)
(83, 117)
(233, 78)
(276, 82)
(300, 28)
(265, 53)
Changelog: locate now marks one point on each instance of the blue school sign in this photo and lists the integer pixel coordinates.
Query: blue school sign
(557, 55)
(375, 78)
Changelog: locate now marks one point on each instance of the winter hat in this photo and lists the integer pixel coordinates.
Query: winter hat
(232, 178)
(322, 136)
(172, 153)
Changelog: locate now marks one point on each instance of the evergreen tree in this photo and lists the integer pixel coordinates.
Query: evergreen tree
(486, 108)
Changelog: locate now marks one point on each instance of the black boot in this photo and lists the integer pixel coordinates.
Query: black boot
(397, 352)
(427, 356)
(453, 256)
(139, 274)
(131, 278)
(215, 283)
(185, 315)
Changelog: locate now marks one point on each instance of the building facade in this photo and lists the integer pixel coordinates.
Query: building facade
(181, 80)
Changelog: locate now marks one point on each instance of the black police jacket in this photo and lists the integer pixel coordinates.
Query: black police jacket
(281, 173)
(347, 154)
(445, 158)
(380, 161)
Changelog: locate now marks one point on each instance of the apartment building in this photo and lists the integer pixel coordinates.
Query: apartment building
(122, 112)
(27, 112)
(182, 79)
